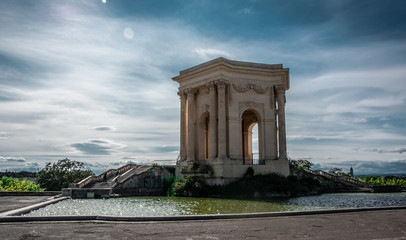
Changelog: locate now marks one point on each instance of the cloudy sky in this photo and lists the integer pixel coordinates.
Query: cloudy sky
(91, 79)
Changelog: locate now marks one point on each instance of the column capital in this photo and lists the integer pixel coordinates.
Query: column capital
(181, 94)
(211, 85)
(189, 92)
(280, 89)
(221, 84)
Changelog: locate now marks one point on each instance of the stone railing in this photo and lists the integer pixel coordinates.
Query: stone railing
(83, 183)
(92, 179)
(343, 178)
(133, 171)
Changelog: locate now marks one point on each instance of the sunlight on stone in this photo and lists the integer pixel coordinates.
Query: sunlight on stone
(128, 33)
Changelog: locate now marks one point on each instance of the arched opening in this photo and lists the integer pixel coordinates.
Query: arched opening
(255, 144)
(204, 136)
(250, 140)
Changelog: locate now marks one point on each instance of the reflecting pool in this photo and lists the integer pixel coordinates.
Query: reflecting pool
(171, 206)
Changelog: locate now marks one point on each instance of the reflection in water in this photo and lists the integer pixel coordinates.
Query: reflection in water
(170, 206)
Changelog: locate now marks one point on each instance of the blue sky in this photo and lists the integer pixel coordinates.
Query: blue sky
(91, 80)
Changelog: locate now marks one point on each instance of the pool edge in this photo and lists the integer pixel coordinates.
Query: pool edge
(10, 218)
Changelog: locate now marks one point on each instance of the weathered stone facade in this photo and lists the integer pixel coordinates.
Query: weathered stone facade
(221, 101)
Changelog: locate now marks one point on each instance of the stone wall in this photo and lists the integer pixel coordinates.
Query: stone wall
(149, 183)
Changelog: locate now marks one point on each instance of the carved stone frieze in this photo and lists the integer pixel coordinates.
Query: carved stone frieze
(242, 88)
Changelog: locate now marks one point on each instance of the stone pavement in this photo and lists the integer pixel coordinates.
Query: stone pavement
(8, 203)
(384, 224)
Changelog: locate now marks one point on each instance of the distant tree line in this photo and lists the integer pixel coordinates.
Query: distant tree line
(20, 175)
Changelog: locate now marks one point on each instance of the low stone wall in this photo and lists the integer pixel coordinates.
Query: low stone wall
(47, 193)
(86, 192)
(379, 189)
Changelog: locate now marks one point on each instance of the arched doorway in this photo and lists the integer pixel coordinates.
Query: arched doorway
(255, 145)
(249, 120)
(204, 149)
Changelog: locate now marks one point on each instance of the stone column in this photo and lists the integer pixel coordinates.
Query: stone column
(222, 128)
(190, 124)
(212, 121)
(182, 125)
(281, 121)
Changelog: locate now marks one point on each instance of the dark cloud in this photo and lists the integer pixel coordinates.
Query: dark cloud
(92, 148)
(7, 96)
(400, 150)
(32, 165)
(376, 150)
(164, 149)
(99, 141)
(95, 165)
(24, 117)
(20, 72)
(18, 164)
(10, 159)
(104, 128)
(3, 135)
(122, 163)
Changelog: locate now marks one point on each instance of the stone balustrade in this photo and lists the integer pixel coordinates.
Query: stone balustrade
(340, 178)
(98, 178)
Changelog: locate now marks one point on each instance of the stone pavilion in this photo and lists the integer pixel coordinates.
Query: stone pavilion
(221, 102)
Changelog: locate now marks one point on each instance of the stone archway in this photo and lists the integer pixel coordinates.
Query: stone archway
(248, 120)
(204, 135)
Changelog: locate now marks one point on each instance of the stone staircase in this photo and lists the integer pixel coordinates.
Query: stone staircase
(346, 180)
(102, 185)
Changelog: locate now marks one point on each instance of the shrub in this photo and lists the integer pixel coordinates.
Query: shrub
(187, 187)
(250, 172)
(378, 181)
(167, 185)
(10, 184)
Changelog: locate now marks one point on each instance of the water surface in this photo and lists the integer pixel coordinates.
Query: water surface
(172, 206)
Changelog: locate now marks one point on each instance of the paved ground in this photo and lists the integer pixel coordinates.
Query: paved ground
(383, 225)
(8, 203)
(388, 224)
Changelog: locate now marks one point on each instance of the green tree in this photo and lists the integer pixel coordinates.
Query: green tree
(337, 171)
(58, 175)
(303, 164)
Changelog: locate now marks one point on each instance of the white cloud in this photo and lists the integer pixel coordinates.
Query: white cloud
(210, 53)
(360, 120)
